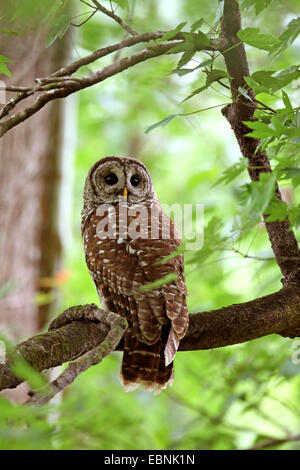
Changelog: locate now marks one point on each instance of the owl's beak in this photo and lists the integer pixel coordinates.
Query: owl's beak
(125, 192)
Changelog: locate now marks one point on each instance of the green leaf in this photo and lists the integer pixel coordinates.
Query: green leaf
(212, 77)
(162, 123)
(192, 42)
(182, 71)
(3, 67)
(23, 370)
(171, 277)
(201, 40)
(185, 58)
(59, 27)
(256, 198)
(254, 38)
(259, 5)
(287, 102)
(274, 81)
(294, 215)
(277, 210)
(232, 172)
(197, 25)
(122, 3)
(288, 36)
(11, 32)
(170, 34)
(261, 130)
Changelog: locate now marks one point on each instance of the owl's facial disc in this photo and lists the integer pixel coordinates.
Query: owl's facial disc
(138, 183)
(114, 177)
(108, 181)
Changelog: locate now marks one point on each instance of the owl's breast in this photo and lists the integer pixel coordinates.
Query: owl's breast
(109, 256)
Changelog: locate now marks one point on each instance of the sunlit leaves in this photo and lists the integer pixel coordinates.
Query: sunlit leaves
(253, 37)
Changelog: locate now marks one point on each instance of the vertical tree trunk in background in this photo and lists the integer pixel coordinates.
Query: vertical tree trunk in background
(29, 182)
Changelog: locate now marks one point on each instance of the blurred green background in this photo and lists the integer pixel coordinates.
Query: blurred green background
(229, 398)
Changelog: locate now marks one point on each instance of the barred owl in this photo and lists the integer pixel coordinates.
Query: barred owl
(127, 242)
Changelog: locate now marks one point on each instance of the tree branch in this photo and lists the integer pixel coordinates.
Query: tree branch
(283, 241)
(61, 85)
(276, 313)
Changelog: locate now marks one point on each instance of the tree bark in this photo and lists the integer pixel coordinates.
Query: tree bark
(30, 178)
(29, 183)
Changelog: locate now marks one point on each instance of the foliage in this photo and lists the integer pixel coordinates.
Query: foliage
(237, 396)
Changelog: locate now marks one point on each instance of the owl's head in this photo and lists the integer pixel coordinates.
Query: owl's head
(112, 177)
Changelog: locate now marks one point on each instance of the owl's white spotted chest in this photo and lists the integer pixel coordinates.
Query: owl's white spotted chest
(122, 259)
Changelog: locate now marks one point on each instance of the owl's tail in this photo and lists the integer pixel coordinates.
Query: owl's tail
(145, 365)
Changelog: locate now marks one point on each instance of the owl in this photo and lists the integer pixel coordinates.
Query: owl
(127, 242)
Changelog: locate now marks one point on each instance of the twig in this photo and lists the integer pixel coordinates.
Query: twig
(86, 20)
(116, 18)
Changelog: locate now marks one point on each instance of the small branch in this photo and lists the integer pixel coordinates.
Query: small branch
(115, 17)
(69, 86)
(69, 70)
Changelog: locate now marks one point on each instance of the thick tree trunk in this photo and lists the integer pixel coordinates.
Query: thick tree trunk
(29, 182)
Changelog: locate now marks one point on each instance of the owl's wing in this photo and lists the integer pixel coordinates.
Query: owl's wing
(150, 255)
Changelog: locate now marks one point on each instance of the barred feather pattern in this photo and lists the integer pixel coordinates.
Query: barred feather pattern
(120, 267)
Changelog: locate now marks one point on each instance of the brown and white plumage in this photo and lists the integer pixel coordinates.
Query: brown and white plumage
(120, 266)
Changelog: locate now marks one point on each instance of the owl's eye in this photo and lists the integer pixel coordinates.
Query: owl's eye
(135, 180)
(111, 179)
